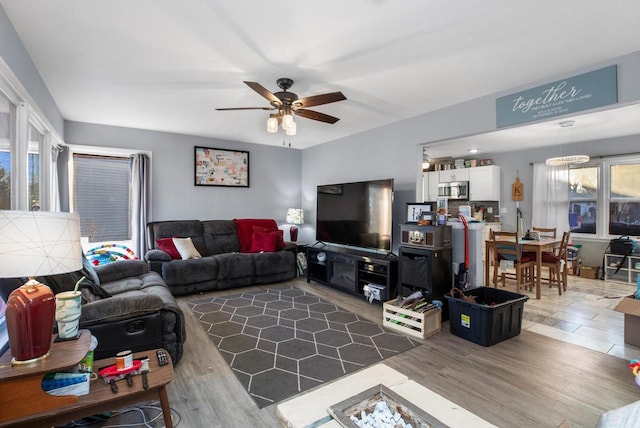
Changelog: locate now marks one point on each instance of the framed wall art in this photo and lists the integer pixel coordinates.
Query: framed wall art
(221, 167)
(415, 211)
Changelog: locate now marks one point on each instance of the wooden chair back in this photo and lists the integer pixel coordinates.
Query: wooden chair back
(554, 263)
(564, 244)
(506, 246)
(545, 232)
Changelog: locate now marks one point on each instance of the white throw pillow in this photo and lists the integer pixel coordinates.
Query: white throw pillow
(186, 249)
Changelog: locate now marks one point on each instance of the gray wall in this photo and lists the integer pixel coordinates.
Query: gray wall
(13, 52)
(391, 151)
(274, 174)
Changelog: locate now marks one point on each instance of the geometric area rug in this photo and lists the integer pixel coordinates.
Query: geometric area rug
(282, 341)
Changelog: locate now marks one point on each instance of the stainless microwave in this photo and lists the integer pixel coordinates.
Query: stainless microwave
(454, 190)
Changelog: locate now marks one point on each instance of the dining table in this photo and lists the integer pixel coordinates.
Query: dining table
(535, 246)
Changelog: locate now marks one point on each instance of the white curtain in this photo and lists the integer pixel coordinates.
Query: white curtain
(140, 202)
(550, 197)
(55, 182)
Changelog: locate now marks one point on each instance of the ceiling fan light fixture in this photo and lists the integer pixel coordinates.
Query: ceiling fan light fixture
(567, 160)
(287, 121)
(291, 130)
(272, 124)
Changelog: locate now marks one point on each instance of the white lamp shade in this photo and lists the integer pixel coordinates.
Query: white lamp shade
(295, 216)
(291, 130)
(272, 124)
(34, 243)
(287, 121)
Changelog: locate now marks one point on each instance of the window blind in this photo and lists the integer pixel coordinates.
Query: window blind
(101, 197)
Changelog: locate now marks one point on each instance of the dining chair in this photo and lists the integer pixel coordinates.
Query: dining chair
(545, 232)
(506, 248)
(554, 262)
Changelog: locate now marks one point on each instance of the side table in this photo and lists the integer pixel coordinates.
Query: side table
(25, 404)
(20, 386)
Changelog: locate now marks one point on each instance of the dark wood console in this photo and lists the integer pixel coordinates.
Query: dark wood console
(351, 270)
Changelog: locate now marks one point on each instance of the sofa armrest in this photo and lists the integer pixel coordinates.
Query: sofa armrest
(120, 269)
(156, 255)
(290, 247)
(120, 307)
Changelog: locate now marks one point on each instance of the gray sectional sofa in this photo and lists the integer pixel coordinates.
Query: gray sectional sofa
(125, 307)
(226, 261)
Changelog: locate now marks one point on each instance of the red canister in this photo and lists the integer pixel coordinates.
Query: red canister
(30, 314)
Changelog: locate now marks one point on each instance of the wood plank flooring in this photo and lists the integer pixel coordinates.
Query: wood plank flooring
(570, 361)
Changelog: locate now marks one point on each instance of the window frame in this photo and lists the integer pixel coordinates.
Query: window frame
(26, 112)
(603, 198)
(94, 151)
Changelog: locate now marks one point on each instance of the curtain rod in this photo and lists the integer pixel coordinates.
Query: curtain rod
(605, 156)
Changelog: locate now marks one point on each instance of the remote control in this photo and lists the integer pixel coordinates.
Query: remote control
(162, 357)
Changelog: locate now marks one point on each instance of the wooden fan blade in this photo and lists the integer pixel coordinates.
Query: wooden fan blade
(316, 100)
(246, 108)
(264, 92)
(316, 115)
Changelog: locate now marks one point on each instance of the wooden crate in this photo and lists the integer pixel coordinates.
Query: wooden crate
(420, 325)
(590, 272)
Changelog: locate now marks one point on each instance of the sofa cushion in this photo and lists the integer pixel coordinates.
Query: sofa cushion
(280, 262)
(220, 236)
(180, 229)
(245, 232)
(186, 249)
(263, 239)
(179, 272)
(167, 245)
(235, 265)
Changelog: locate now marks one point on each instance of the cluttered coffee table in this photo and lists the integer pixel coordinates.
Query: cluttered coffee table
(23, 403)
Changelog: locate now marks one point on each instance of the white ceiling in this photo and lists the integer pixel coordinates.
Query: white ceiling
(166, 64)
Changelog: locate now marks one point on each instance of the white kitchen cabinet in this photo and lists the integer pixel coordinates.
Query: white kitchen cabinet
(484, 183)
(428, 191)
(452, 175)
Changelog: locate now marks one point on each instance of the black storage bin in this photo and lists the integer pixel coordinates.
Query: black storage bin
(496, 315)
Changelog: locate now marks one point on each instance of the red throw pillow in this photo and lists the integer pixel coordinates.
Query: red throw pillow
(263, 239)
(245, 232)
(167, 245)
(280, 244)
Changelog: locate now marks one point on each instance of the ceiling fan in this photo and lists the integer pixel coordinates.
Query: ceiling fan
(287, 104)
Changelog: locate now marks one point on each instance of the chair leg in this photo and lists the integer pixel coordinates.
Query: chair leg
(556, 278)
(495, 275)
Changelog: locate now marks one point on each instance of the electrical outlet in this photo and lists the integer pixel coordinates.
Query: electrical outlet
(503, 210)
(490, 210)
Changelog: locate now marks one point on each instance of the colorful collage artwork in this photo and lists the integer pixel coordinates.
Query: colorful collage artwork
(219, 167)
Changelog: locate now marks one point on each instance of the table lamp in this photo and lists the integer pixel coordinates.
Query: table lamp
(294, 216)
(35, 243)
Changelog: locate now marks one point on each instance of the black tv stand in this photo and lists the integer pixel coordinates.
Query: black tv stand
(350, 269)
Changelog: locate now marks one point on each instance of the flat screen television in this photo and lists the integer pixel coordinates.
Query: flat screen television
(356, 214)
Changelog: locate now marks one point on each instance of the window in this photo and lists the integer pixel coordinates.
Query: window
(624, 200)
(101, 196)
(36, 139)
(604, 197)
(5, 153)
(583, 195)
